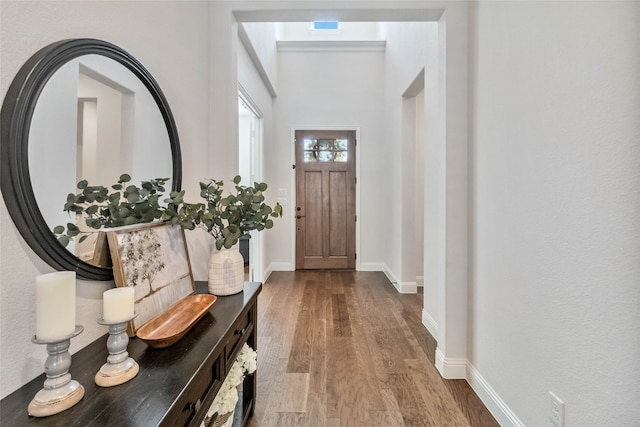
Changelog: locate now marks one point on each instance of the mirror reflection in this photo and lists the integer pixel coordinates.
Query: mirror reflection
(93, 120)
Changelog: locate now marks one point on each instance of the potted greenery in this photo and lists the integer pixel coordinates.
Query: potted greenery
(225, 217)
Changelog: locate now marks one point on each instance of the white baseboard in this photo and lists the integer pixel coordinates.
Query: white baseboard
(281, 266)
(276, 266)
(392, 277)
(371, 266)
(430, 323)
(451, 368)
(498, 408)
(420, 281)
(401, 287)
(406, 287)
(267, 274)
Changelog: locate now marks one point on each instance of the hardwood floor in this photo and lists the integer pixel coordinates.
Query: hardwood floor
(343, 348)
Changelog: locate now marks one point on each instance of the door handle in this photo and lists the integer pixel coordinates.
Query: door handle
(299, 216)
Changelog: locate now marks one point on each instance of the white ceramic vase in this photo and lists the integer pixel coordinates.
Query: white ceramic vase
(226, 271)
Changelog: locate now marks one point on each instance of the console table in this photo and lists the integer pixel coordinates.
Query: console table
(175, 386)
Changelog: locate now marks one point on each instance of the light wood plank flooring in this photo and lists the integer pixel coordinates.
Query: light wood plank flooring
(343, 348)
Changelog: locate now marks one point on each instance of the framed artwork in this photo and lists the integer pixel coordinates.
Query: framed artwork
(153, 259)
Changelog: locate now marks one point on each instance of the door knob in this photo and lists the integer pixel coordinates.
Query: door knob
(299, 216)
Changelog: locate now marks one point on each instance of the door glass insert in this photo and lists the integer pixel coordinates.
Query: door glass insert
(325, 150)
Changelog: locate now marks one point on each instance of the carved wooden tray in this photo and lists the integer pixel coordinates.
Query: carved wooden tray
(168, 327)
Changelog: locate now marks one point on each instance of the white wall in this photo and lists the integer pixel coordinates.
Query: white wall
(178, 59)
(556, 208)
(341, 89)
(262, 36)
(256, 89)
(411, 48)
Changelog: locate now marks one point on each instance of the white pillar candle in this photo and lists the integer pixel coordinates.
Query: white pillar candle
(118, 304)
(55, 305)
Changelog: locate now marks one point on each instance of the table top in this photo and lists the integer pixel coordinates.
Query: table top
(163, 376)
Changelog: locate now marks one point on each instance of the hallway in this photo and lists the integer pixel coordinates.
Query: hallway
(343, 348)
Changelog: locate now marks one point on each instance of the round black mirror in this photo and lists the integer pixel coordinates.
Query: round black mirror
(30, 171)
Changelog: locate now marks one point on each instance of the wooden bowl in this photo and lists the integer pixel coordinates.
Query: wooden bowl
(168, 327)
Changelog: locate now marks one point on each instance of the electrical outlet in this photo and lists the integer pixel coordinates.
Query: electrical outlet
(556, 410)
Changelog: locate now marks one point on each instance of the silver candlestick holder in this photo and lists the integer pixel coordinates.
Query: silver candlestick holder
(119, 368)
(60, 392)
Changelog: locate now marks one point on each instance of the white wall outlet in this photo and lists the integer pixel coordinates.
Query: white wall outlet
(556, 410)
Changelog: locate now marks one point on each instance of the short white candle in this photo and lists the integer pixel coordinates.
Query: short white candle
(55, 305)
(118, 304)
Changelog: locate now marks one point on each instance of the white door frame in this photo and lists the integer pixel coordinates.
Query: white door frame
(256, 246)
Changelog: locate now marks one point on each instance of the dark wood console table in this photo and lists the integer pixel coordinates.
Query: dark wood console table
(175, 386)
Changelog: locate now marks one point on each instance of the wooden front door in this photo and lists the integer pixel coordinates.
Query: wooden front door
(325, 199)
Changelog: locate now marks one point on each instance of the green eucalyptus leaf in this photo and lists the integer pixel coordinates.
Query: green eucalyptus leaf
(230, 241)
(58, 229)
(94, 223)
(132, 197)
(64, 240)
(123, 212)
(130, 220)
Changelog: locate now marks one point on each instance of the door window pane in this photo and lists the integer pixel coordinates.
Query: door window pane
(325, 150)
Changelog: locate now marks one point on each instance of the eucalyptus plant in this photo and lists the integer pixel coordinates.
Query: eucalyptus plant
(225, 217)
(121, 204)
(228, 217)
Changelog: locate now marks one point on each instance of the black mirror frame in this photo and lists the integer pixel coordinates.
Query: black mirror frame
(15, 122)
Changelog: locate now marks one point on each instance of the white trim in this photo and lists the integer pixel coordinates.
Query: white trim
(251, 104)
(392, 277)
(498, 408)
(331, 46)
(451, 368)
(281, 266)
(276, 266)
(430, 323)
(401, 287)
(407, 287)
(420, 281)
(372, 266)
(292, 186)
